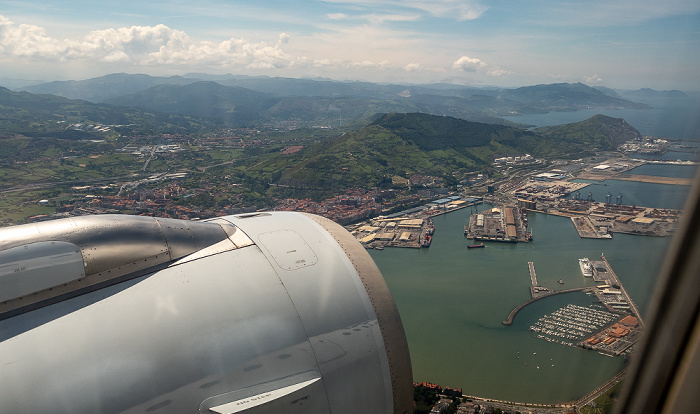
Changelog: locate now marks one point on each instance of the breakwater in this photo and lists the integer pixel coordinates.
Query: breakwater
(511, 315)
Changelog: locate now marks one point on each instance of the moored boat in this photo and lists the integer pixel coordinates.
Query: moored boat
(586, 267)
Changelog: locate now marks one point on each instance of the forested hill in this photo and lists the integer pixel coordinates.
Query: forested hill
(431, 132)
(599, 133)
(404, 144)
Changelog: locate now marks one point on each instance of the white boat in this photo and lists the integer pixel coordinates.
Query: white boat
(586, 267)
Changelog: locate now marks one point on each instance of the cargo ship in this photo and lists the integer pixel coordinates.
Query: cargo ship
(475, 246)
(586, 267)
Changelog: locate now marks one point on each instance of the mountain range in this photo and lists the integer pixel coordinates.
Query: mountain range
(238, 100)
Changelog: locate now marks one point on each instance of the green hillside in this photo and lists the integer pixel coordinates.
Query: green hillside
(393, 145)
(599, 133)
(405, 144)
(370, 157)
(431, 132)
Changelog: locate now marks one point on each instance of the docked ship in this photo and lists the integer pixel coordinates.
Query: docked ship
(586, 267)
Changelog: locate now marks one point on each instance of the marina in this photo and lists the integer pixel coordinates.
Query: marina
(572, 323)
(611, 326)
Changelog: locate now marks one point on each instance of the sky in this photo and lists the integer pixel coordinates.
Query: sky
(622, 44)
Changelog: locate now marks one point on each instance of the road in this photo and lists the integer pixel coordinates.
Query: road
(46, 184)
(582, 402)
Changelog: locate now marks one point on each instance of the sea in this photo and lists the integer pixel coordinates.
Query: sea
(677, 118)
(452, 300)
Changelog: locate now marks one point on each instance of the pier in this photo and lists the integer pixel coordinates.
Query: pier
(628, 299)
(533, 275)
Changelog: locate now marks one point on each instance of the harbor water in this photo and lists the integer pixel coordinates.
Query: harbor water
(677, 118)
(453, 300)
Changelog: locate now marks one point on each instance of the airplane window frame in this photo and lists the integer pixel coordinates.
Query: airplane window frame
(665, 375)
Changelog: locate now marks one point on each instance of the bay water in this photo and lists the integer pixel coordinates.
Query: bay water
(668, 117)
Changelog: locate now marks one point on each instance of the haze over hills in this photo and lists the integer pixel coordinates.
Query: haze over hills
(49, 115)
(103, 88)
(229, 99)
(205, 99)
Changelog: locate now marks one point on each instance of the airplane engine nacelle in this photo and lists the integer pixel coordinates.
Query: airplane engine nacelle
(264, 312)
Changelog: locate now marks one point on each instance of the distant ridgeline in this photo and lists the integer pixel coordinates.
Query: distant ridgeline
(231, 101)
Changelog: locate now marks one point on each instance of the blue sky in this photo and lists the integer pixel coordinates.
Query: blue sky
(617, 43)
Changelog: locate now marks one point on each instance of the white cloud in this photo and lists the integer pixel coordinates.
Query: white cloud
(475, 65)
(140, 45)
(468, 64)
(28, 41)
(367, 52)
(593, 79)
(496, 71)
(412, 67)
